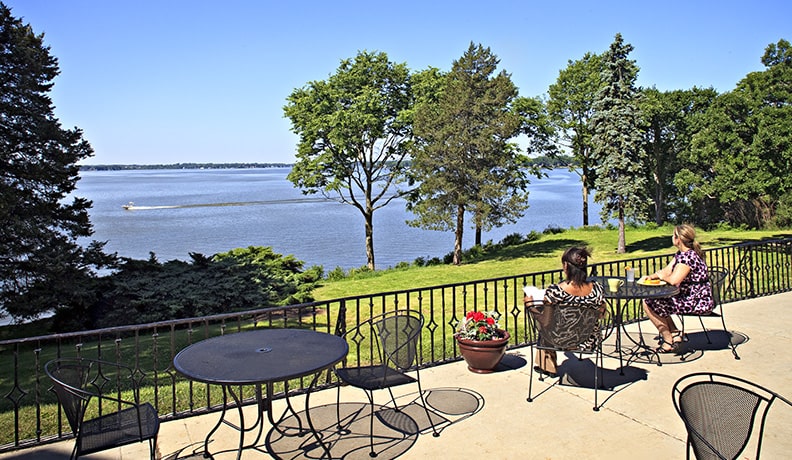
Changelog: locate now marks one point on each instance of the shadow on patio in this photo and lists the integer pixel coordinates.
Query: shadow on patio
(488, 415)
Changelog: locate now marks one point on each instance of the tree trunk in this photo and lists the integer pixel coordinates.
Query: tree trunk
(583, 179)
(369, 218)
(478, 235)
(458, 234)
(622, 240)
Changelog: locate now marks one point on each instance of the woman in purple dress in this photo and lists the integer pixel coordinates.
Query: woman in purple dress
(688, 271)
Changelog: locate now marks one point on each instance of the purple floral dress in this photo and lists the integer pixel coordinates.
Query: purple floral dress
(695, 291)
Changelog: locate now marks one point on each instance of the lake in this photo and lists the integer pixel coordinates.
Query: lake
(214, 210)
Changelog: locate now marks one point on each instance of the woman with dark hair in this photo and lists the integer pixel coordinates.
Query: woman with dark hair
(574, 290)
(688, 271)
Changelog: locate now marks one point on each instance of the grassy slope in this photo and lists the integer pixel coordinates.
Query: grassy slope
(543, 254)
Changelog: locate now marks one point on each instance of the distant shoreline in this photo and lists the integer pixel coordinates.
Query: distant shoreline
(117, 167)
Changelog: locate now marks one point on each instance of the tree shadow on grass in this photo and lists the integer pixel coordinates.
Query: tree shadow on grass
(654, 243)
(533, 249)
(730, 241)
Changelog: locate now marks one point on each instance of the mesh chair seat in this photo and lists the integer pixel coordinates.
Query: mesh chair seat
(565, 327)
(722, 413)
(374, 377)
(118, 429)
(79, 381)
(385, 348)
(717, 276)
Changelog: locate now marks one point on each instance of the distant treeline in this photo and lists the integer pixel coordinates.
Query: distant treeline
(544, 161)
(184, 166)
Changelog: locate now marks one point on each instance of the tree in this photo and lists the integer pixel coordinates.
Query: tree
(42, 265)
(671, 118)
(570, 108)
(616, 138)
(353, 139)
(463, 161)
(742, 155)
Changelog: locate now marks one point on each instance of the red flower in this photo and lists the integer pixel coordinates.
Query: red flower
(479, 325)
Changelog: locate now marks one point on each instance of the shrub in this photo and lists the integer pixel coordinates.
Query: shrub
(336, 274)
(512, 239)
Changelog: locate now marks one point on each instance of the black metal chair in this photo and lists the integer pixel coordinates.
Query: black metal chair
(717, 276)
(111, 392)
(386, 347)
(722, 413)
(563, 328)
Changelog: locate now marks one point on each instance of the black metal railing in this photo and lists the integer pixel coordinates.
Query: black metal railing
(30, 414)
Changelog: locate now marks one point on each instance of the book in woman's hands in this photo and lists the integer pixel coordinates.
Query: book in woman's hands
(535, 293)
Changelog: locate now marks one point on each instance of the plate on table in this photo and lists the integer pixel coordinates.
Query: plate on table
(648, 282)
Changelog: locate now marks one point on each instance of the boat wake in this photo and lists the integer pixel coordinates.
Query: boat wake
(133, 207)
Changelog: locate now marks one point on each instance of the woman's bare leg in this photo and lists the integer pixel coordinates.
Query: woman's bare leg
(665, 325)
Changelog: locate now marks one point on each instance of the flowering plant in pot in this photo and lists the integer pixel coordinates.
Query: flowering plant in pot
(481, 341)
(480, 325)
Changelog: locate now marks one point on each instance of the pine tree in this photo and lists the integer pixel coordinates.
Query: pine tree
(41, 262)
(616, 128)
(464, 162)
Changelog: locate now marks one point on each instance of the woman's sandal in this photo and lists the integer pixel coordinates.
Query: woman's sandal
(674, 347)
(679, 335)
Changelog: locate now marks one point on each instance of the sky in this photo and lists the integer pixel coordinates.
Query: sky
(174, 81)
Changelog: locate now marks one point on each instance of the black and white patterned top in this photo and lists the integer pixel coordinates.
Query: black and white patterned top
(556, 295)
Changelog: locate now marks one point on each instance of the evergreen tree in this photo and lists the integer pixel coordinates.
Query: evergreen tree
(617, 140)
(42, 266)
(464, 161)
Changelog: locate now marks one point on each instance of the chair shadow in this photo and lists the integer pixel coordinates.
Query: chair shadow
(721, 340)
(580, 373)
(395, 431)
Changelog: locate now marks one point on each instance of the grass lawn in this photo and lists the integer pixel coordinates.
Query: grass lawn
(539, 255)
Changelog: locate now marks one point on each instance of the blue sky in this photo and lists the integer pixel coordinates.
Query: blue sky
(171, 81)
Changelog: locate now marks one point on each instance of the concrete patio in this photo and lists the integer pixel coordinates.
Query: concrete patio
(488, 415)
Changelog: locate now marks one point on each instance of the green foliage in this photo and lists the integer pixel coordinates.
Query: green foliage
(142, 291)
(354, 135)
(512, 239)
(742, 154)
(463, 161)
(672, 118)
(42, 266)
(616, 137)
(550, 230)
(570, 108)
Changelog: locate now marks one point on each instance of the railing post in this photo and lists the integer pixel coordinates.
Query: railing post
(341, 327)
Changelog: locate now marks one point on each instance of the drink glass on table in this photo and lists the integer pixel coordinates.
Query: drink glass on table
(630, 274)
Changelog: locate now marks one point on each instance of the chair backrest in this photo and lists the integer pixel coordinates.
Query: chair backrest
(399, 334)
(70, 379)
(565, 326)
(717, 276)
(721, 413)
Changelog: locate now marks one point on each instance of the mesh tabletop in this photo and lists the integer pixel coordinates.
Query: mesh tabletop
(634, 290)
(264, 355)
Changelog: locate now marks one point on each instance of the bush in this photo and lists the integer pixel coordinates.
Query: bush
(512, 239)
(553, 230)
(336, 274)
(533, 236)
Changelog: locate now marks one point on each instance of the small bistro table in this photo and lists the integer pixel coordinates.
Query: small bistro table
(260, 357)
(630, 291)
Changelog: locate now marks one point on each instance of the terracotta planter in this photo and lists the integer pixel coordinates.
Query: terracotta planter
(483, 356)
